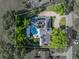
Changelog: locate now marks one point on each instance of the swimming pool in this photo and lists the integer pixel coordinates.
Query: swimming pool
(31, 29)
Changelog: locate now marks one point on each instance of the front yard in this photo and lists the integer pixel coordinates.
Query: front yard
(58, 36)
(58, 8)
(22, 22)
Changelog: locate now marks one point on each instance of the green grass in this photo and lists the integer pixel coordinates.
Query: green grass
(58, 8)
(58, 39)
(63, 21)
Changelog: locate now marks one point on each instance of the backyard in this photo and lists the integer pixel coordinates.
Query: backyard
(22, 22)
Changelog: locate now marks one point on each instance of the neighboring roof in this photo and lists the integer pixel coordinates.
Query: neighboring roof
(37, 3)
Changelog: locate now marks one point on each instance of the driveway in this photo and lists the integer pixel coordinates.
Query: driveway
(51, 13)
(69, 19)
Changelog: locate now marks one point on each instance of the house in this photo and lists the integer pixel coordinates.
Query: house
(49, 53)
(40, 27)
(38, 3)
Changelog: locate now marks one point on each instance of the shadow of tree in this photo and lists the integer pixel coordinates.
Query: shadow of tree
(69, 6)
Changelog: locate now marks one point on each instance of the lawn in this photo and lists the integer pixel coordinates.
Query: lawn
(58, 39)
(58, 8)
(63, 21)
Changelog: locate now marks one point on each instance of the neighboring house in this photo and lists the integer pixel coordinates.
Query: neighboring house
(40, 28)
(37, 3)
(49, 53)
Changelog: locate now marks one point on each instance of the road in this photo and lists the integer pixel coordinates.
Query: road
(69, 53)
(59, 54)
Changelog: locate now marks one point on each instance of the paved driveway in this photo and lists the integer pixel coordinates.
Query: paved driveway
(69, 19)
(51, 13)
